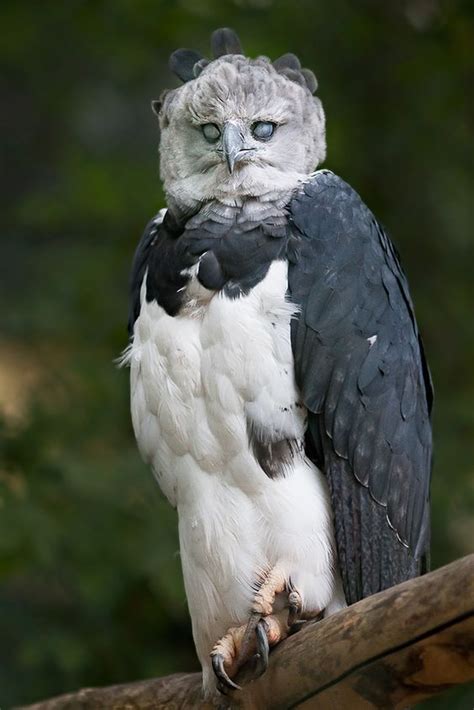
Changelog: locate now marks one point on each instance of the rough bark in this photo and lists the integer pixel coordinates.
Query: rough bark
(390, 650)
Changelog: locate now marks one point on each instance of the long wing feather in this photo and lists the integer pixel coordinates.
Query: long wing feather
(360, 366)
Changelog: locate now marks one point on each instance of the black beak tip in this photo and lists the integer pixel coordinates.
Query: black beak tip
(230, 164)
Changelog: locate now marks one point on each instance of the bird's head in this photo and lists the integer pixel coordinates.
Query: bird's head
(238, 127)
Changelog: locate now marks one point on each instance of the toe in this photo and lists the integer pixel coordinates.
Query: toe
(224, 682)
(263, 646)
(294, 604)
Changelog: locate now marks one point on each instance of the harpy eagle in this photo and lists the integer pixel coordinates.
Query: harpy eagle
(279, 388)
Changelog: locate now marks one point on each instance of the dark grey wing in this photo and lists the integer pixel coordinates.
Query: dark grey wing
(139, 267)
(361, 370)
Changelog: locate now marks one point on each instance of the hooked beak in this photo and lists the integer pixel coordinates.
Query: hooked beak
(233, 145)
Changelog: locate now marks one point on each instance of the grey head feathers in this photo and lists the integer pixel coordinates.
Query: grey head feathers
(182, 63)
(237, 128)
(225, 41)
(187, 64)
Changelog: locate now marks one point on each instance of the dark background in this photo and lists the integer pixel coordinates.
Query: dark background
(90, 582)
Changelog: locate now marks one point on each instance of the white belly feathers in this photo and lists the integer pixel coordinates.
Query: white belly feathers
(198, 381)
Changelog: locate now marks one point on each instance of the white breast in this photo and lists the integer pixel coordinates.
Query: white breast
(197, 381)
(198, 377)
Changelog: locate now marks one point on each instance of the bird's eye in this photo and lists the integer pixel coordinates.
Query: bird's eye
(211, 132)
(263, 130)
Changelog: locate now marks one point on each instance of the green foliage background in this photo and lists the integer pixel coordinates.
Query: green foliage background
(91, 589)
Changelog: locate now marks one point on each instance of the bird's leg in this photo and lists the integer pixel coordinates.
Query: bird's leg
(264, 629)
(269, 627)
(273, 584)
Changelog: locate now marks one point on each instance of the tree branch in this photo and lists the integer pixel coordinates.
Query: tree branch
(390, 650)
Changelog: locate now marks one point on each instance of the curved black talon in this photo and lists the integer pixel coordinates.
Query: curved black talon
(221, 675)
(296, 626)
(263, 647)
(248, 639)
(294, 604)
(223, 689)
(293, 613)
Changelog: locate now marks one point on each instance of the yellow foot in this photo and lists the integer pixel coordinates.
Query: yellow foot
(265, 628)
(263, 606)
(229, 654)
